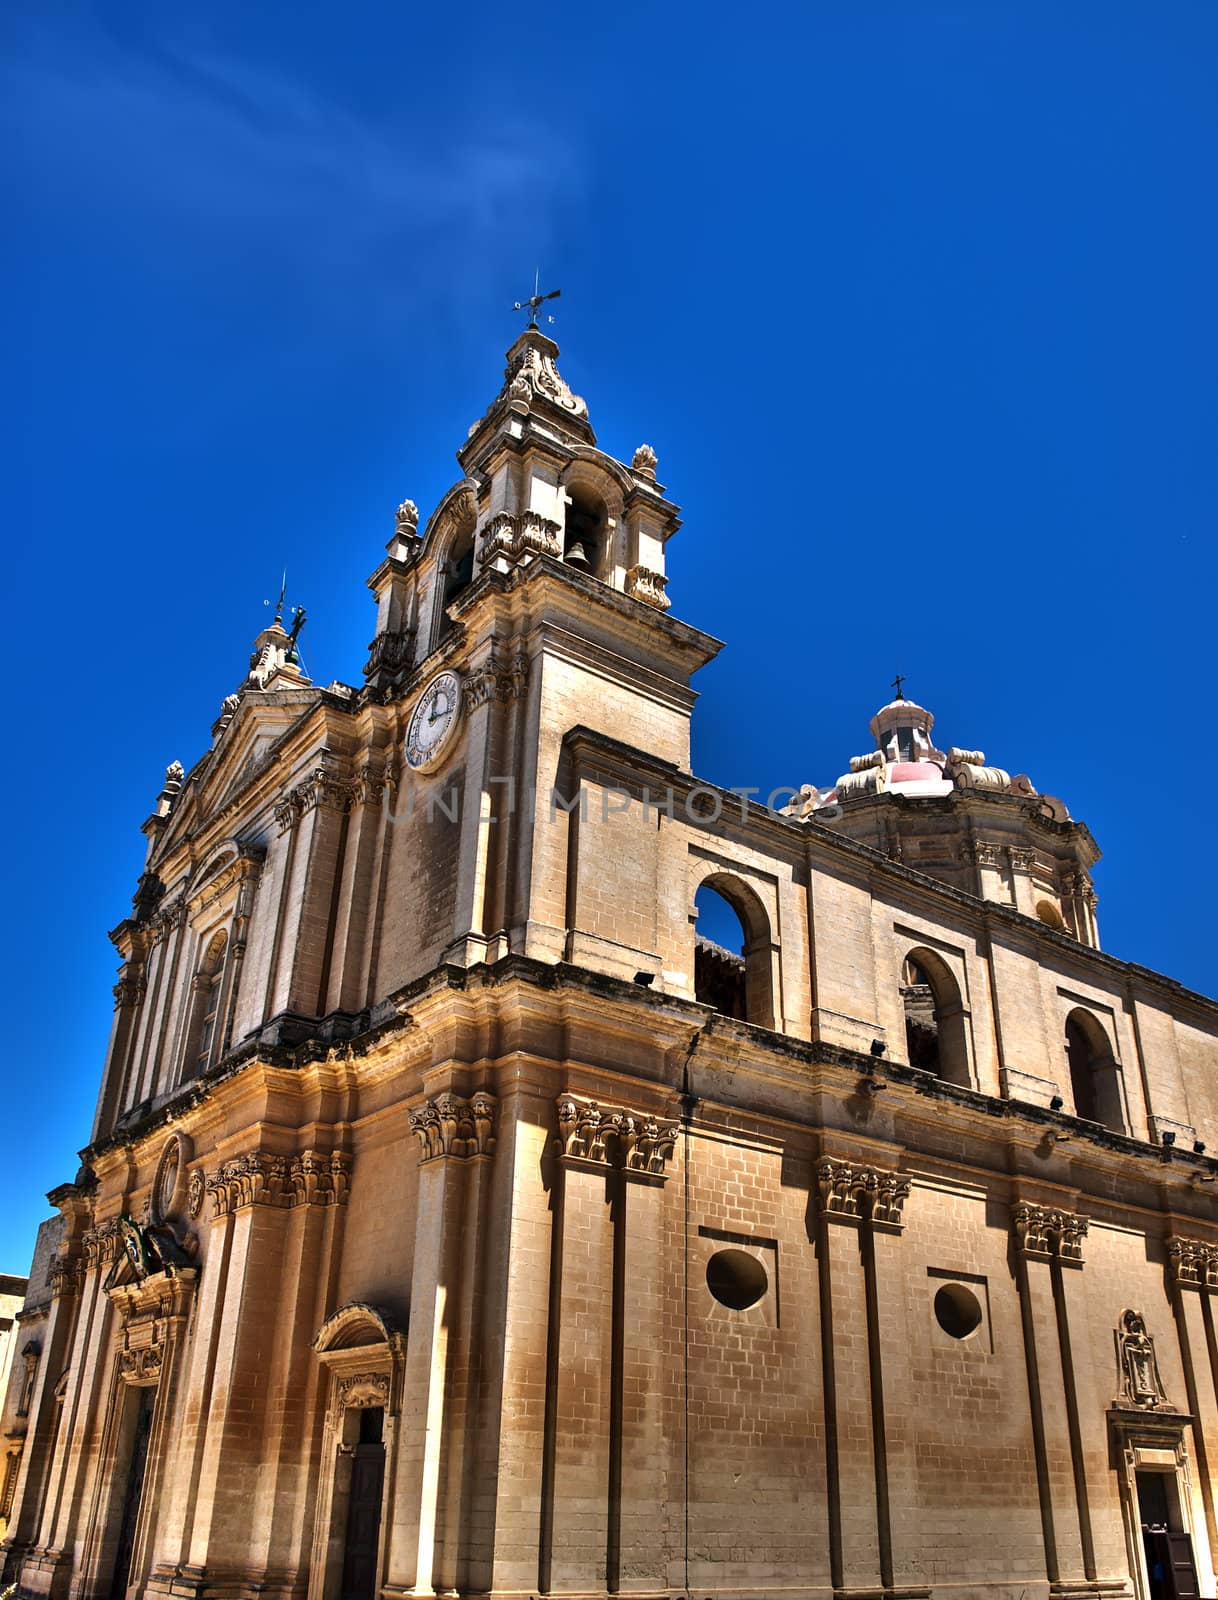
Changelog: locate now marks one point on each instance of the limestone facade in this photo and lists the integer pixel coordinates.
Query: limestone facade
(438, 1234)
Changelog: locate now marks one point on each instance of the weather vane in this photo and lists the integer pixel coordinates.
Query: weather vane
(535, 300)
(298, 612)
(898, 683)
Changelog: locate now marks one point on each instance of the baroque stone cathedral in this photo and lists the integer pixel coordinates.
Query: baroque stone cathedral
(457, 1220)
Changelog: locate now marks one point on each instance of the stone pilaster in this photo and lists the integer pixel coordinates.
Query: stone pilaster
(453, 1134)
(856, 1202)
(1044, 1236)
(1193, 1271)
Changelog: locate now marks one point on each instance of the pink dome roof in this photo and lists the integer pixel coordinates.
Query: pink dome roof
(912, 771)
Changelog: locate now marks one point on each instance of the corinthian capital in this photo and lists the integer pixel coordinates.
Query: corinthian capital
(452, 1126)
(850, 1192)
(1044, 1232)
(614, 1136)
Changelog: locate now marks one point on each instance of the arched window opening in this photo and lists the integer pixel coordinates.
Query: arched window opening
(208, 987)
(458, 574)
(733, 952)
(1094, 1075)
(936, 1034)
(583, 544)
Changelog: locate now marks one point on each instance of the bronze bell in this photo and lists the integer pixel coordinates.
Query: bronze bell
(576, 556)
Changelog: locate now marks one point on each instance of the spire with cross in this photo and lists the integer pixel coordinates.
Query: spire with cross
(898, 683)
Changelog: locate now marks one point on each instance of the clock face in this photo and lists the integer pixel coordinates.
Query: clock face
(433, 721)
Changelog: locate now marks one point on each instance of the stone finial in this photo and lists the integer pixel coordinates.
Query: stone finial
(174, 773)
(644, 460)
(407, 517)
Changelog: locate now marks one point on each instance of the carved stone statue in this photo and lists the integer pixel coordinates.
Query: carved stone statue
(1138, 1366)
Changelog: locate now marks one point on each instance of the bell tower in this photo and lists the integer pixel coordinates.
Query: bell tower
(535, 601)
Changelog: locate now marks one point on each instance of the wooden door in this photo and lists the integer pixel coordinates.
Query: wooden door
(1170, 1559)
(363, 1522)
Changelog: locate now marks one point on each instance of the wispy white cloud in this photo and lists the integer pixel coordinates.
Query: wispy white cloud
(241, 159)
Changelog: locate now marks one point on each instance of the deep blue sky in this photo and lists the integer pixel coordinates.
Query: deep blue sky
(915, 301)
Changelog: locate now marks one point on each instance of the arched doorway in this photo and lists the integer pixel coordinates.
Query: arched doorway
(363, 1353)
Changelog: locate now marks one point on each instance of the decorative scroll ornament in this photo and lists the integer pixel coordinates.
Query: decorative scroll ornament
(363, 1389)
(1141, 1386)
(451, 1126)
(1044, 1232)
(195, 1190)
(612, 1136)
(532, 374)
(142, 1366)
(647, 586)
(315, 1178)
(1194, 1264)
(856, 1193)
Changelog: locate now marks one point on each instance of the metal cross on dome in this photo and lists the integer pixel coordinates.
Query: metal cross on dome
(898, 683)
(535, 300)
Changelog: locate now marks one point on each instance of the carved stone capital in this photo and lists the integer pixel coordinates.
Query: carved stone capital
(1021, 860)
(287, 813)
(373, 782)
(1193, 1263)
(496, 680)
(509, 536)
(452, 1126)
(648, 586)
(323, 790)
(499, 537)
(1044, 1232)
(854, 1193)
(613, 1136)
(101, 1245)
(65, 1277)
(390, 652)
(983, 854)
(129, 990)
(312, 1178)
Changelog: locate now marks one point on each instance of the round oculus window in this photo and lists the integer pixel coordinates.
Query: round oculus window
(736, 1279)
(957, 1310)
